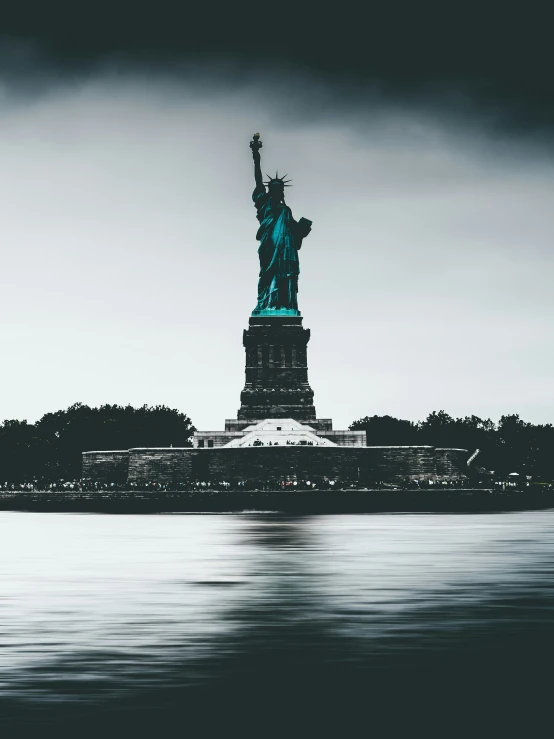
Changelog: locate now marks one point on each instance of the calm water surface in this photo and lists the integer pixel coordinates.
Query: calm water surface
(268, 624)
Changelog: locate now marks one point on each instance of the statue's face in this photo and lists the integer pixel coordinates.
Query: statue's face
(276, 191)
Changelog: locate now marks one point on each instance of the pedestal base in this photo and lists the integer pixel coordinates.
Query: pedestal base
(276, 370)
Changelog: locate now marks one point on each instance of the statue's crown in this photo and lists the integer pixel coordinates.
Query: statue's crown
(277, 180)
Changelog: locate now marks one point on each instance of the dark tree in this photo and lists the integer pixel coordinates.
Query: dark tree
(19, 446)
(52, 447)
(387, 431)
(525, 448)
(441, 430)
(511, 446)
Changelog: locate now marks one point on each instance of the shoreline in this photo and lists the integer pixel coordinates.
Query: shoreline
(304, 501)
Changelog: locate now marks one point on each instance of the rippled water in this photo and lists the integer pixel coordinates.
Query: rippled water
(263, 623)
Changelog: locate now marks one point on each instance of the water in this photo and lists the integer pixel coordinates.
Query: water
(265, 624)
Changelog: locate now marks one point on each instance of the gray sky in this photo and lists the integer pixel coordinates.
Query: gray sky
(129, 262)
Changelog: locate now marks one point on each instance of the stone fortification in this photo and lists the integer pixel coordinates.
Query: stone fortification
(450, 460)
(363, 465)
(167, 465)
(112, 466)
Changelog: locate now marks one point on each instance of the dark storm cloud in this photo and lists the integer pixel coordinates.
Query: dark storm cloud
(484, 59)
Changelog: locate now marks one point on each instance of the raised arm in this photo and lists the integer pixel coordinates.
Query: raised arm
(256, 145)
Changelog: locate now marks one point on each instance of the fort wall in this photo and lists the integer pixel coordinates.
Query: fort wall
(160, 464)
(106, 466)
(448, 461)
(364, 465)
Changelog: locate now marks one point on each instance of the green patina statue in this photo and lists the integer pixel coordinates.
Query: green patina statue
(280, 238)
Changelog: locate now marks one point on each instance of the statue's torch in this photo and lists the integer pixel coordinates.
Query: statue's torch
(256, 144)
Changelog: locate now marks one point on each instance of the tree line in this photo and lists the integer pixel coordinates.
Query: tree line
(51, 448)
(511, 445)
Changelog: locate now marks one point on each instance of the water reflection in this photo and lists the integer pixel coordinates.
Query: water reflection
(112, 623)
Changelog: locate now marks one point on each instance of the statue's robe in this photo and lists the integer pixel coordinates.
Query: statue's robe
(280, 239)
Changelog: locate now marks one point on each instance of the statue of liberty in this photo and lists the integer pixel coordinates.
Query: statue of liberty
(280, 238)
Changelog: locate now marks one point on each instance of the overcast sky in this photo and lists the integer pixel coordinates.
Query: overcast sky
(129, 258)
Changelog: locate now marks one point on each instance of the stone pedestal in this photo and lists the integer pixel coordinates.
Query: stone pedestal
(276, 371)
